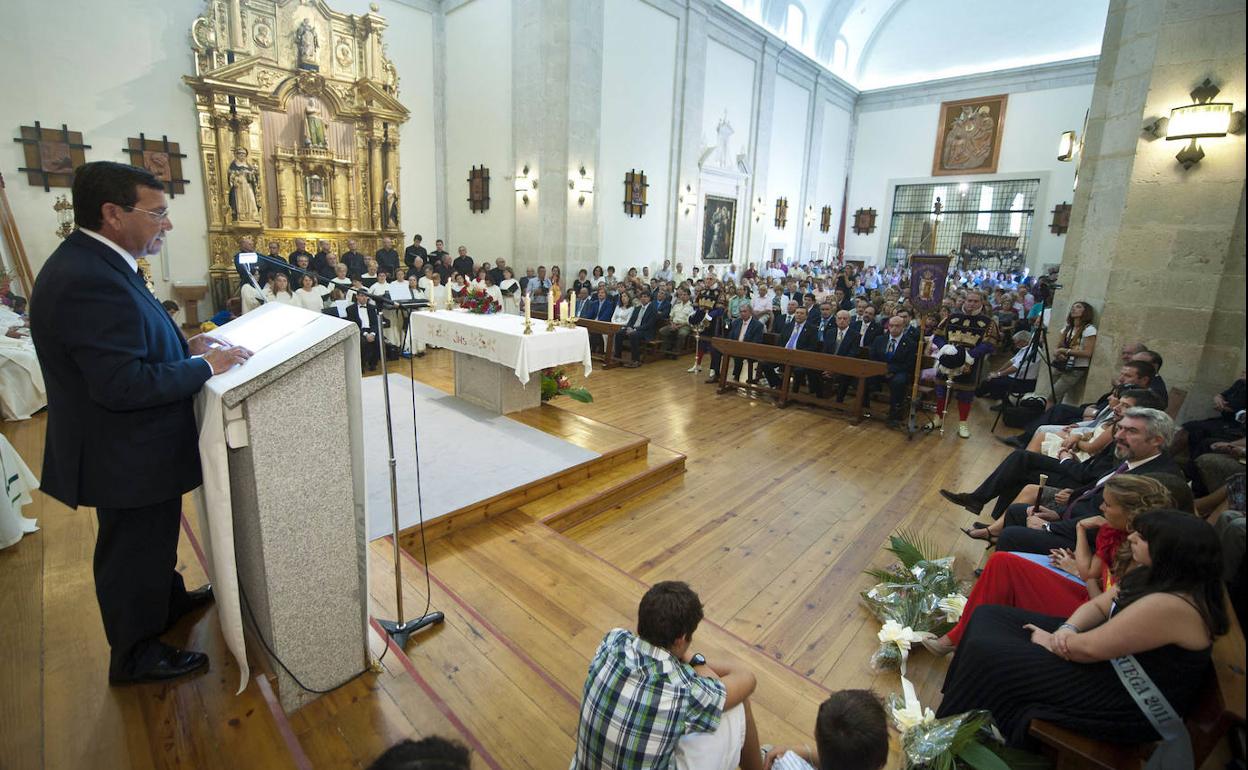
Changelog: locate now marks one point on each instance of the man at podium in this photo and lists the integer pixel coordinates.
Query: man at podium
(121, 432)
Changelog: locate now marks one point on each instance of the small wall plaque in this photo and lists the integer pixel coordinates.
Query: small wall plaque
(635, 193)
(51, 155)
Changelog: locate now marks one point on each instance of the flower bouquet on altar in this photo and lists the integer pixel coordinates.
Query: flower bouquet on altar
(556, 383)
(917, 598)
(476, 300)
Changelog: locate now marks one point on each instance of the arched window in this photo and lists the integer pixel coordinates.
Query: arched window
(795, 26)
(840, 54)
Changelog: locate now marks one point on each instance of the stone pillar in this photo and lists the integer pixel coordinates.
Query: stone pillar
(1156, 249)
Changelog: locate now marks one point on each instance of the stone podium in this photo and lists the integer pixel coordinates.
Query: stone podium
(281, 442)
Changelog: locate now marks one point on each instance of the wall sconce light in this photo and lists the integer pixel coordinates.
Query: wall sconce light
(1066, 146)
(688, 198)
(525, 184)
(582, 186)
(1202, 119)
(64, 216)
(809, 219)
(760, 211)
(782, 212)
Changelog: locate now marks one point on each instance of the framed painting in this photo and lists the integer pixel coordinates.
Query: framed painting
(782, 213)
(825, 219)
(52, 154)
(968, 139)
(719, 224)
(864, 221)
(479, 189)
(1061, 219)
(161, 157)
(635, 185)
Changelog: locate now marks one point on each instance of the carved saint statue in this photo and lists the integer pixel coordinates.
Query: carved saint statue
(723, 133)
(244, 179)
(307, 42)
(313, 125)
(389, 205)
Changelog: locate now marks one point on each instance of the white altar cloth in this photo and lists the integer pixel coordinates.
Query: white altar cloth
(500, 337)
(18, 482)
(277, 343)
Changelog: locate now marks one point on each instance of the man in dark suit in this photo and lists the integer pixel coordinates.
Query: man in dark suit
(1021, 467)
(824, 321)
(301, 250)
(746, 328)
(1139, 446)
(364, 315)
(121, 433)
(356, 264)
(387, 258)
(865, 329)
(413, 253)
(801, 334)
(601, 307)
(897, 349)
(582, 303)
(320, 260)
(272, 268)
(663, 306)
(464, 265)
(640, 328)
(841, 340)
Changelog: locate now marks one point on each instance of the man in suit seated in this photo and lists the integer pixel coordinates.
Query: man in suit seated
(897, 349)
(600, 308)
(746, 328)
(1021, 467)
(865, 329)
(364, 316)
(1139, 446)
(640, 328)
(582, 303)
(841, 341)
(799, 334)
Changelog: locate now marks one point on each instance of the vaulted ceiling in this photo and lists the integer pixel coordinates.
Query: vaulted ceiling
(881, 43)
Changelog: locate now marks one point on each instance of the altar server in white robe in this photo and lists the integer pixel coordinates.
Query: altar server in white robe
(509, 289)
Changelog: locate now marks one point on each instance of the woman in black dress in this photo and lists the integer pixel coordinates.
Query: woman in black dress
(1022, 665)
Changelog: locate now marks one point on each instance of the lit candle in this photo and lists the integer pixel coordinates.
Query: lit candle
(528, 309)
(448, 296)
(563, 312)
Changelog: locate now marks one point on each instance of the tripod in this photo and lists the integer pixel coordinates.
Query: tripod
(1037, 350)
(400, 630)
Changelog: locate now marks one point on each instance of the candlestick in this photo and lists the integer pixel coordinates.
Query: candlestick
(528, 310)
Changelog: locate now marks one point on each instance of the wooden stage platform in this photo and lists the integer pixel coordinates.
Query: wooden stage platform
(771, 515)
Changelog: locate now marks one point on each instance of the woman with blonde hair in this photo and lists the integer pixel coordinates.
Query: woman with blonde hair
(1100, 559)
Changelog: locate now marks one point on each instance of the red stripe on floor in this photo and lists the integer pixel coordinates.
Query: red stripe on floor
(283, 725)
(199, 552)
(567, 694)
(441, 705)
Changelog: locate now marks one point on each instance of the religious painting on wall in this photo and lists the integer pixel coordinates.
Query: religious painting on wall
(1061, 219)
(635, 193)
(825, 219)
(51, 155)
(161, 157)
(864, 221)
(928, 274)
(719, 223)
(968, 140)
(479, 189)
(782, 213)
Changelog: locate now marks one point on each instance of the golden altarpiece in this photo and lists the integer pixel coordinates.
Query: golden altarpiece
(298, 129)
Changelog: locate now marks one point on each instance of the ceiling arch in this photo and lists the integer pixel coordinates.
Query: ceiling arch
(881, 43)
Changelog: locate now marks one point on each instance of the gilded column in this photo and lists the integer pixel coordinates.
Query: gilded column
(373, 220)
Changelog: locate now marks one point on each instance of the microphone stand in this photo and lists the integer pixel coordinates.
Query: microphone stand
(399, 630)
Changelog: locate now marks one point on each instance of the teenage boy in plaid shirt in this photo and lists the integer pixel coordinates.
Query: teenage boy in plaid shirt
(645, 690)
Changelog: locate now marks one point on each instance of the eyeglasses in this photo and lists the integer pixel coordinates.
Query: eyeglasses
(159, 216)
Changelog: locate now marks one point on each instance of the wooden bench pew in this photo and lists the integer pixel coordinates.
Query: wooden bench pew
(607, 356)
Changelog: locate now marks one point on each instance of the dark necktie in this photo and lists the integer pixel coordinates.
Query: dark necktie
(892, 346)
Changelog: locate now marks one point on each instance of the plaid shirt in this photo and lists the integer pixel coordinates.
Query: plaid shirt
(639, 699)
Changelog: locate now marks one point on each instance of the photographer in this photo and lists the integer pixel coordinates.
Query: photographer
(1074, 354)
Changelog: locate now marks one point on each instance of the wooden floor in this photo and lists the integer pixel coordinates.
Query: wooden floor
(773, 522)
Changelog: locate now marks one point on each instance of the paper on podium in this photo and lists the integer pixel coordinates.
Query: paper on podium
(256, 331)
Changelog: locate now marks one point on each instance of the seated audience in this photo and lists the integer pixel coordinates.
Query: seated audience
(1098, 562)
(1018, 376)
(677, 329)
(840, 340)
(1022, 665)
(644, 691)
(1132, 374)
(744, 329)
(798, 334)
(639, 328)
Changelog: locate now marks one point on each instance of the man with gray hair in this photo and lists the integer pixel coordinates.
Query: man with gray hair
(1139, 446)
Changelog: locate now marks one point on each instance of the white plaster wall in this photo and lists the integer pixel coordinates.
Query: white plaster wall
(638, 92)
(897, 144)
(132, 84)
(785, 164)
(833, 158)
(139, 52)
(478, 126)
(729, 88)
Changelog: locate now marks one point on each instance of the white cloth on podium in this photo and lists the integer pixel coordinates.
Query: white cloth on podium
(18, 483)
(500, 337)
(270, 333)
(22, 391)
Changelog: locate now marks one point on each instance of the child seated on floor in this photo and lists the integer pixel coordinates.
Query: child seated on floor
(851, 733)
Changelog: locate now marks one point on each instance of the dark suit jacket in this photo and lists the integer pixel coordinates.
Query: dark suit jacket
(903, 356)
(849, 345)
(807, 339)
(1162, 464)
(873, 330)
(753, 332)
(664, 309)
(412, 252)
(353, 315)
(355, 262)
(121, 421)
(645, 319)
(601, 311)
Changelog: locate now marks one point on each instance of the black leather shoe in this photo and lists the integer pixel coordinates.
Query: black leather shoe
(964, 500)
(160, 664)
(197, 599)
